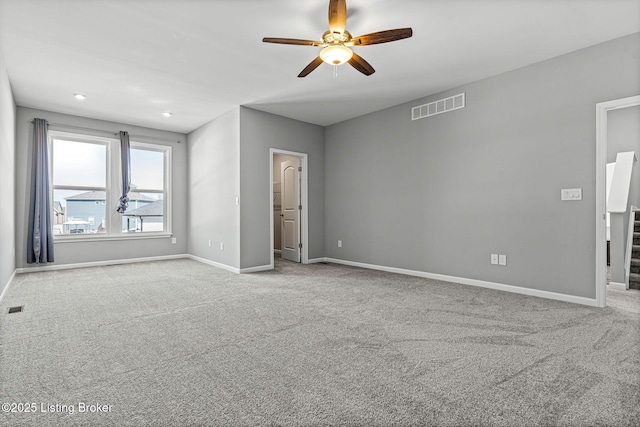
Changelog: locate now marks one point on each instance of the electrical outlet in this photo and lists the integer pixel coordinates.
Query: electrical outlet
(174, 240)
(209, 243)
(494, 259)
(339, 243)
(502, 260)
(221, 246)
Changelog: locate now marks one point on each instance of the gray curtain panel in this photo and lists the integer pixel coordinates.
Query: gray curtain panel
(126, 171)
(40, 234)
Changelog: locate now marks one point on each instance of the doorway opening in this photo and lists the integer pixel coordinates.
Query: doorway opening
(602, 112)
(289, 215)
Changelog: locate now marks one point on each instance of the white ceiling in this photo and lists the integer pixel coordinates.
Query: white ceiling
(135, 59)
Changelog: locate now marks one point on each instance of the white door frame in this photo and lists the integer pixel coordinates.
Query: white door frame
(304, 200)
(602, 109)
(291, 204)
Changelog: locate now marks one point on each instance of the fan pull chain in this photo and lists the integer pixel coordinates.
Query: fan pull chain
(335, 71)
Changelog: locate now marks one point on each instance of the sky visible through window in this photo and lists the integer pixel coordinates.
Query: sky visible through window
(147, 169)
(84, 164)
(79, 164)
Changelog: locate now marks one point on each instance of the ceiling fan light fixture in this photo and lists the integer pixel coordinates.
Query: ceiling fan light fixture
(338, 40)
(336, 54)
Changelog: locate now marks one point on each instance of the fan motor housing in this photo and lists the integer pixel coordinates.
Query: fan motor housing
(330, 38)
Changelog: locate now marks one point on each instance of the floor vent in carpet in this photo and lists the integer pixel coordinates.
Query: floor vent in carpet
(17, 309)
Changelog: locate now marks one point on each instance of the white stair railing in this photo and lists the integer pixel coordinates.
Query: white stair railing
(629, 252)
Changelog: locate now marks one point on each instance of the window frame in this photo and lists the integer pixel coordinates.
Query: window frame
(166, 191)
(113, 188)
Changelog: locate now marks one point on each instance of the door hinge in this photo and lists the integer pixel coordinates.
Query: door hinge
(299, 207)
(299, 168)
(300, 245)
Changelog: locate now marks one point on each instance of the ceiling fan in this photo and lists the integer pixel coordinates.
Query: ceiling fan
(337, 42)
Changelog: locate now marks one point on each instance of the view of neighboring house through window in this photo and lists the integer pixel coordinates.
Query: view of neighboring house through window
(79, 186)
(86, 183)
(146, 198)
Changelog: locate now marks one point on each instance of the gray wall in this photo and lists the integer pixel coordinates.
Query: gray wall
(77, 251)
(259, 132)
(214, 184)
(441, 194)
(7, 178)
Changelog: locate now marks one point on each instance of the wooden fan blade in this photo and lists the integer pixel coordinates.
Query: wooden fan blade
(337, 16)
(312, 66)
(297, 42)
(359, 63)
(382, 37)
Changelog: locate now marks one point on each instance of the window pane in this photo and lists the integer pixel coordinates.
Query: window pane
(79, 163)
(144, 214)
(147, 169)
(78, 212)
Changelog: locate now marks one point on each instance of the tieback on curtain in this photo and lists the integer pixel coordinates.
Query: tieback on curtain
(126, 172)
(40, 234)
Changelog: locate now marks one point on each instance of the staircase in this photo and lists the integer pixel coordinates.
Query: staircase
(634, 276)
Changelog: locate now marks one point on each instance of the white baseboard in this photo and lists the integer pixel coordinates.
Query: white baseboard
(98, 263)
(6, 286)
(229, 268)
(618, 286)
(256, 269)
(460, 280)
(472, 282)
(277, 251)
(215, 264)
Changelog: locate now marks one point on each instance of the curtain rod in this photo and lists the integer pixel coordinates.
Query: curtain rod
(159, 138)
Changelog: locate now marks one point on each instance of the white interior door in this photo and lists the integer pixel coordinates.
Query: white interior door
(290, 214)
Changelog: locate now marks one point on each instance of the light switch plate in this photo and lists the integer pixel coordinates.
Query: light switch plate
(571, 194)
(502, 259)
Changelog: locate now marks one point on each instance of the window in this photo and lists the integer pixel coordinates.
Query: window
(87, 183)
(145, 212)
(79, 185)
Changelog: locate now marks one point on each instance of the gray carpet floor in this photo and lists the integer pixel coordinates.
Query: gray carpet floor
(181, 343)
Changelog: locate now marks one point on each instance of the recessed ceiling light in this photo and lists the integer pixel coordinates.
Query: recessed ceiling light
(167, 114)
(79, 96)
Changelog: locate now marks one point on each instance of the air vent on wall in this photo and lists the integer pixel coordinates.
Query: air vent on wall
(438, 107)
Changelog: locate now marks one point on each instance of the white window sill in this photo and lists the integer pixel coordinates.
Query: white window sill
(97, 238)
